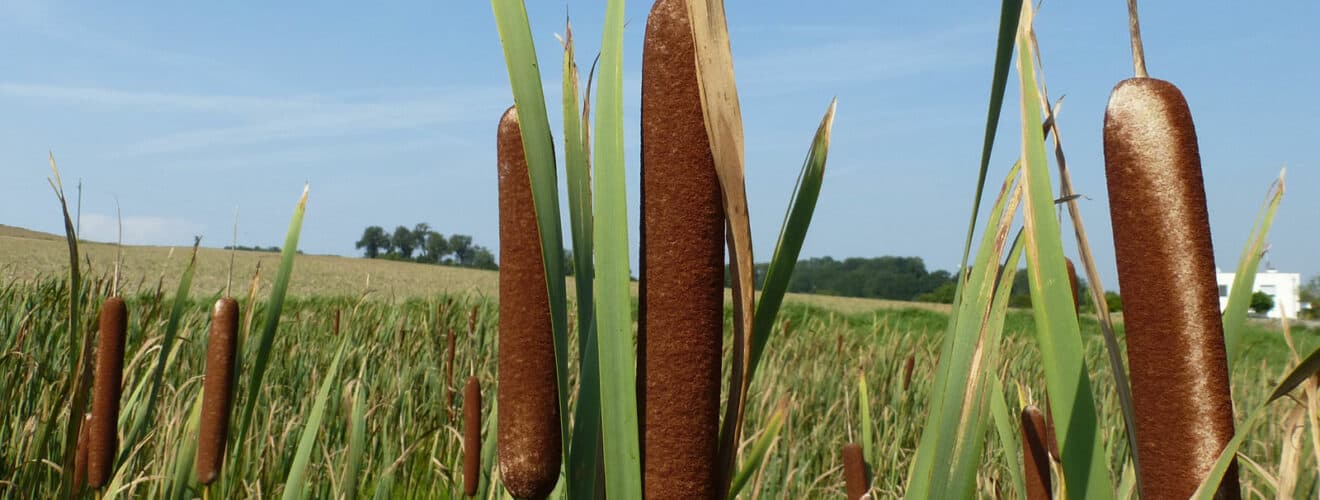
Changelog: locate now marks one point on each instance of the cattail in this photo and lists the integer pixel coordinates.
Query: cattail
(907, 371)
(854, 471)
(530, 442)
(1072, 282)
(80, 458)
(471, 436)
(449, 371)
(218, 389)
(102, 437)
(1035, 455)
(1166, 274)
(681, 289)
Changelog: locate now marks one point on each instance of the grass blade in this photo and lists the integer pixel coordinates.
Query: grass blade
(538, 146)
(614, 325)
(1235, 313)
(791, 235)
(864, 410)
(1009, 13)
(79, 383)
(1008, 436)
(757, 455)
(183, 477)
(273, 308)
(357, 440)
(295, 484)
(142, 414)
(1057, 330)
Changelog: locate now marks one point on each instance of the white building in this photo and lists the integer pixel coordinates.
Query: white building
(1284, 288)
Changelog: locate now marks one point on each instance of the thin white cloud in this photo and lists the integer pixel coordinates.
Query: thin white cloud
(155, 101)
(139, 229)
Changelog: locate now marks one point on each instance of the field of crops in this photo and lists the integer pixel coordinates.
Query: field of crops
(396, 373)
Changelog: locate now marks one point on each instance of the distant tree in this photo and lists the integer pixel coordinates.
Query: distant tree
(1261, 302)
(1310, 294)
(942, 295)
(404, 242)
(482, 258)
(373, 241)
(435, 248)
(461, 246)
(1114, 301)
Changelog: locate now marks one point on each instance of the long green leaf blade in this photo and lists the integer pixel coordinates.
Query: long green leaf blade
(797, 219)
(1057, 330)
(1235, 313)
(295, 484)
(585, 440)
(272, 324)
(614, 326)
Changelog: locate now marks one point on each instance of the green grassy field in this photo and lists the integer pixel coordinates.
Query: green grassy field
(396, 352)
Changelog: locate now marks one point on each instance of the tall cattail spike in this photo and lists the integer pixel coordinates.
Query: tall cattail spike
(217, 390)
(102, 432)
(471, 436)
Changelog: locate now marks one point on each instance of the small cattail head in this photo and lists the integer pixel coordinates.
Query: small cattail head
(80, 459)
(854, 471)
(1035, 453)
(1072, 281)
(907, 371)
(217, 390)
(471, 436)
(102, 438)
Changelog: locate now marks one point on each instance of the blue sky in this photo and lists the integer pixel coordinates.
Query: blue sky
(183, 111)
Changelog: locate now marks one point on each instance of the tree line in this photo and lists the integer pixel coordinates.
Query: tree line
(424, 245)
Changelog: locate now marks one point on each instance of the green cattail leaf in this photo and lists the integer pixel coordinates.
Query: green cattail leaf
(585, 440)
(614, 322)
(183, 479)
(276, 304)
(1008, 436)
(538, 147)
(864, 409)
(357, 441)
(791, 236)
(756, 457)
(950, 395)
(1057, 332)
(1239, 299)
(295, 484)
(142, 410)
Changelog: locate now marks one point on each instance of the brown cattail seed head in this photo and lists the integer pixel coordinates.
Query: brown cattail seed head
(471, 436)
(80, 458)
(102, 437)
(1166, 274)
(1072, 282)
(682, 269)
(854, 471)
(218, 389)
(529, 436)
(907, 371)
(1035, 455)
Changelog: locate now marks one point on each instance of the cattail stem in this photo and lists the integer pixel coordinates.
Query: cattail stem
(681, 288)
(80, 458)
(102, 433)
(530, 440)
(471, 436)
(1166, 274)
(217, 390)
(1134, 31)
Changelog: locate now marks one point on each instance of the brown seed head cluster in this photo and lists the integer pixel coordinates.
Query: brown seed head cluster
(682, 268)
(529, 437)
(854, 471)
(102, 433)
(218, 389)
(1166, 274)
(471, 436)
(1036, 455)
